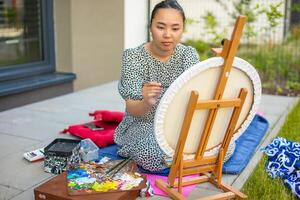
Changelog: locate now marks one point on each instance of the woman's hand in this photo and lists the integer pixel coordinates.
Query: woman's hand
(151, 91)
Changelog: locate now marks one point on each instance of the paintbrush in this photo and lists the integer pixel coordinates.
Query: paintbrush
(118, 166)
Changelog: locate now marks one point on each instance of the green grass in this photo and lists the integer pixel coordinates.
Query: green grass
(259, 185)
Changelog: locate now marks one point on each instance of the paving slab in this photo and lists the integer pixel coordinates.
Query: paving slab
(28, 194)
(20, 174)
(7, 192)
(204, 191)
(85, 101)
(11, 144)
(29, 124)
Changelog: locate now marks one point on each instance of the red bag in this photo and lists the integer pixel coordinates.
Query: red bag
(108, 120)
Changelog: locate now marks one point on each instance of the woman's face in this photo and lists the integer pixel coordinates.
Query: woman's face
(166, 29)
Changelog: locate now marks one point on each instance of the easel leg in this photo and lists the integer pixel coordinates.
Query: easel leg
(220, 166)
(180, 175)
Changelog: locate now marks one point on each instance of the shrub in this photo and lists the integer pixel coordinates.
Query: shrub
(202, 48)
(278, 66)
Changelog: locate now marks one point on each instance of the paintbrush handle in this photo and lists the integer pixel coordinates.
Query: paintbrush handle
(121, 167)
(117, 166)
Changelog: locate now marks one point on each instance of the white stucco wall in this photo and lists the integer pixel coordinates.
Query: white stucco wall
(135, 22)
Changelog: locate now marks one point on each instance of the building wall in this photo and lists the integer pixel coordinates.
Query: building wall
(136, 22)
(89, 40)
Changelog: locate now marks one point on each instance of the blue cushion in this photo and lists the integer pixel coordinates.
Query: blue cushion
(110, 151)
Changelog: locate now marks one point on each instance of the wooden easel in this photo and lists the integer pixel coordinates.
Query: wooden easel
(211, 165)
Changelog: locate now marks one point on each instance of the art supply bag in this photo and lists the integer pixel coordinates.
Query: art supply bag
(100, 130)
(60, 153)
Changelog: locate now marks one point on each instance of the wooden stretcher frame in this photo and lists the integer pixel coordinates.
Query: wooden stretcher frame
(211, 166)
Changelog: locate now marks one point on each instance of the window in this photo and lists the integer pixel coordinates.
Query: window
(26, 38)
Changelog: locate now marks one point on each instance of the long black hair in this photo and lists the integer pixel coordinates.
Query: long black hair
(167, 4)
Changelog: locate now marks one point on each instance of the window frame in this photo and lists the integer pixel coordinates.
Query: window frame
(47, 65)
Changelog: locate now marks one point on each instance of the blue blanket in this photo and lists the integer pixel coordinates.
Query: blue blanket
(284, 162)
(245, 147)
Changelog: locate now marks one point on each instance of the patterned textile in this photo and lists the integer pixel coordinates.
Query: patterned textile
(284, 162)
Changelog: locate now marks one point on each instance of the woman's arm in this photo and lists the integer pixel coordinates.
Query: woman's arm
(137, 108)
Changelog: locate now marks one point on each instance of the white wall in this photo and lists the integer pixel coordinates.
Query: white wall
(135, 22)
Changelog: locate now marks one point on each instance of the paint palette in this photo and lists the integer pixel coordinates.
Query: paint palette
(92, 177)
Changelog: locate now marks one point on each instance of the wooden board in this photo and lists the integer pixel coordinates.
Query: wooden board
(56, 189)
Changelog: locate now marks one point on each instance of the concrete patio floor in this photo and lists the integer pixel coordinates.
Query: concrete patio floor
(36, 125)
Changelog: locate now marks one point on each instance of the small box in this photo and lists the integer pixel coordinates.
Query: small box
(60, 153)
(88, 150)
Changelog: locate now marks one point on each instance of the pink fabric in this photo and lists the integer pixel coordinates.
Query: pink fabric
(260, 113)
(186, 190)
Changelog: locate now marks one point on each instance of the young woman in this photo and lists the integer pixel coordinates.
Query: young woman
(147, 72)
